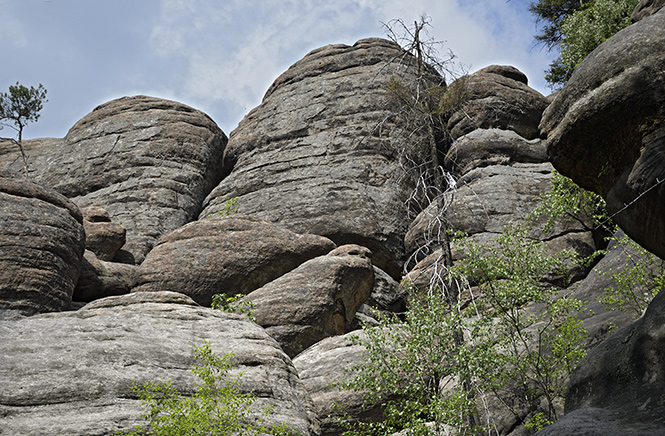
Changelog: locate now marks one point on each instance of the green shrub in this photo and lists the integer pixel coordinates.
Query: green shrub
(233, 304)
(217, 407)
(458, 344)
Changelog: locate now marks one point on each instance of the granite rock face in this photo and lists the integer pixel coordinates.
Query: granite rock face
(316, 300)
(499, 98)
(321, 153)
(41, 246)
(232, 255)
(101, 279)
(620, 383)
(605, 128)
(149, 162)
(332, 359)
(66, 388)
(102, 237)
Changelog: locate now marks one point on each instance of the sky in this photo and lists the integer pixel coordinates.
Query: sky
(220, 56)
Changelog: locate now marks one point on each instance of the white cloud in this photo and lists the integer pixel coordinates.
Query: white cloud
(231, 51)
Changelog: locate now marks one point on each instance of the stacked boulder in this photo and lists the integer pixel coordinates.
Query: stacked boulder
(606, 130)
(107, 275)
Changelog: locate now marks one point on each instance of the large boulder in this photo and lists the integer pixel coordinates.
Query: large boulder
(485, 147)
(316, 300)
(101, 279)
(323, 368)
(41, 246)
(606, 128)
(149, 162)
(102, 237)
(71, 373)
(618, 388)
(499, 97)
(321, 154)
(232, 255)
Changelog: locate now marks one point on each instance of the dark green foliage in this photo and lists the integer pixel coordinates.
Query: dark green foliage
(576, 28)
(552, 13)
(21, 105)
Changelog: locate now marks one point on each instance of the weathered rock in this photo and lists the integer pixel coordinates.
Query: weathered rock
(598, 320)
(429, 272)
(386, 294)
(485, 147)
(489, 198)
(41, 246)
(102, 237)
(605, 128)
(71, 373)
(316, 300)
(320, 154)
(618, 388)
(496, 169)
(327, 362)
(646, 8)
(234, 254)
(637, 199)
(499, 97)
(600, 422)
(101, 279)
(149, 162)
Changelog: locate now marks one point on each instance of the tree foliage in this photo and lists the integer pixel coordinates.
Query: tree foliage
(552, 13)
(637, 282)
(448, 354)
(20, 106)
(217, 407)
(576, 28)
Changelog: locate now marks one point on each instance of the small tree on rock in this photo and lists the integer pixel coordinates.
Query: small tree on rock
(19, 107)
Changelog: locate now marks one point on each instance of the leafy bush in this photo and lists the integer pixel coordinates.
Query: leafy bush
(217, 407)
(638, 282)
(233, 304)
(458, 344)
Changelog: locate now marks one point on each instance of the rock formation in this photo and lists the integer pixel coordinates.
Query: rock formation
(321, 153)
(122, 215)
(41, 246)
(316, 300)
(149, 162)
(71, 373)
(605, 128)
(230, 255)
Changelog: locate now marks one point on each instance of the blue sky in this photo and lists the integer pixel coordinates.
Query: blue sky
(220, 56)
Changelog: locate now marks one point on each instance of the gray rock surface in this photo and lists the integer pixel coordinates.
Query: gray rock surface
(499, 97)
(386, 294)
(618, 388)
(600, 422)
(41, 246)
(646, 8)
(485, 147)
(102, 237)
(316, 300)
(320, 154)
(71, 373)
(329, 362)
(149, 162)
(101, 279)
(233, 254)
(605, 128)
